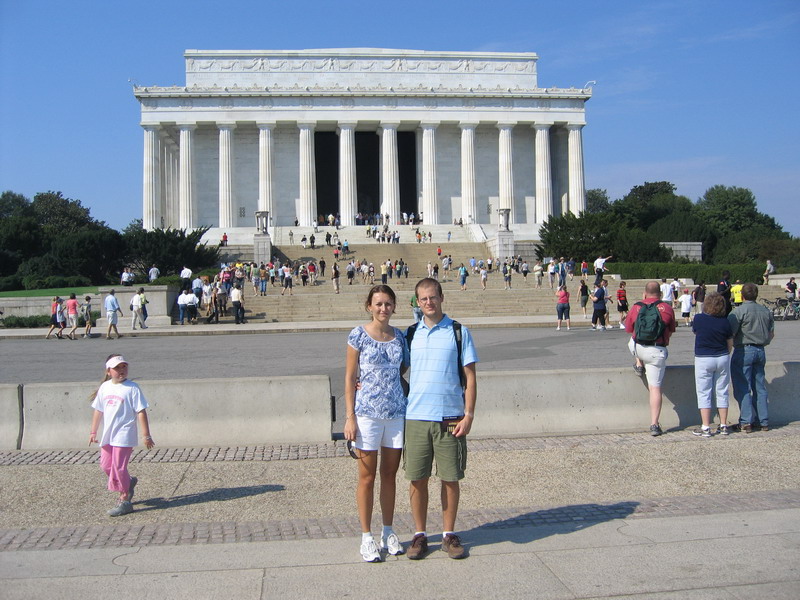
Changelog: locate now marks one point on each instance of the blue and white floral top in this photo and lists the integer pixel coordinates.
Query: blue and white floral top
(381, 394)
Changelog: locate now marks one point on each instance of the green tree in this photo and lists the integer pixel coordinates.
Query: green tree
(730, 210)
(635, 245)
(13, 204)
(645, 204)
(597, 201)
(59, 215)
(97, 254)
(684, 226)
(170, 249)
(581, 237)
(20, 239)
(135, 225)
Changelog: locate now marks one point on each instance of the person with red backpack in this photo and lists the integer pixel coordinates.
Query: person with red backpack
(651, 322)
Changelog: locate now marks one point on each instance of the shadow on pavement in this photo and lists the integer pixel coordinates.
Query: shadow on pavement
(528, 527)
(215, 495)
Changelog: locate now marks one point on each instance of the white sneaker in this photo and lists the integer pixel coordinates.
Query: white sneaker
(622, 325)
(568, 328)
(369, 551)
(392, 544)
(558, 328)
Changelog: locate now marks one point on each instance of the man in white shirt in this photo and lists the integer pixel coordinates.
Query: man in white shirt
(600, 268)
(667, 292)
(153, 273)
(186, 278)
(237, 298)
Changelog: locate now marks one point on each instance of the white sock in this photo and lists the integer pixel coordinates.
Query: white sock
(444, 533)
(365, 537)
(387, 530)
(416, 533)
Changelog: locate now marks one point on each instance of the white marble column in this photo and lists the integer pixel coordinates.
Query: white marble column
(151, 189)
(226, 213)
(186, 177)
(544, 181)
(429, 208)
(166, 173)
(265, 168)
(174, 212)
(390, 172)
(348, 191)
(506, 168)
(577, 187)
(308, 176)
(469, 201)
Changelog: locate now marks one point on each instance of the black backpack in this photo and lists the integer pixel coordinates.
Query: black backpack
(457, 333)
(649, 326)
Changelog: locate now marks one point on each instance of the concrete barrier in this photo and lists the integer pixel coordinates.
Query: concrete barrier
(603, 400)
(269, 410)
(196, 412)
(10, 424)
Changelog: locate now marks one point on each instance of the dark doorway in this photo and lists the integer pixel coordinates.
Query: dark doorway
(407, 165)
(326, 155)
(367, 172)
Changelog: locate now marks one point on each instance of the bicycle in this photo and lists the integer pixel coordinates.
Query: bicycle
(777, 308)
(792, 311)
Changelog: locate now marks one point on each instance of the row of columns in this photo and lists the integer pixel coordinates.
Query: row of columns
(168, 173)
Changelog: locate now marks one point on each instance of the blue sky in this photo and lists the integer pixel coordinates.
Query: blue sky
(696, 93)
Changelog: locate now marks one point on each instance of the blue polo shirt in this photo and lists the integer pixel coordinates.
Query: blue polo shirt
(435, 387)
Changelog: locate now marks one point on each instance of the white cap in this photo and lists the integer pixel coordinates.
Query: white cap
(115, 361)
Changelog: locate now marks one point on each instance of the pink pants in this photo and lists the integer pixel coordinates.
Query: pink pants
(114, 462)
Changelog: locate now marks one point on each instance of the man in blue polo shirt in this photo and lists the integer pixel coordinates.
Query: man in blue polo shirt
(439, 415)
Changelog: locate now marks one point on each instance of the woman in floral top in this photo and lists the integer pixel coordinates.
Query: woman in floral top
(376, 407)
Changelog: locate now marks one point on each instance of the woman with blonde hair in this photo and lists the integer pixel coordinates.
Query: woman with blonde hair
(713, 343)
(376, 407)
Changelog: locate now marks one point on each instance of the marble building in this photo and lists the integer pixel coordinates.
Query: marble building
(307, 133)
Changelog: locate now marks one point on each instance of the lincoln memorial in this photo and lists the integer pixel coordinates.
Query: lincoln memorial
(303, 134)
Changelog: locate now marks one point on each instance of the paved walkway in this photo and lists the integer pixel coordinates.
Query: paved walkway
(597, 516)
(610, 515)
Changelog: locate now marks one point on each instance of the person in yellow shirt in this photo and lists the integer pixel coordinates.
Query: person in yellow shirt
(736, 293)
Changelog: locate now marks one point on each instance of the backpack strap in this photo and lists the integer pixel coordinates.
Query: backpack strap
(462, 376)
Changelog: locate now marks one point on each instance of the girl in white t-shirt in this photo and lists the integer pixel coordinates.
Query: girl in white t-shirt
(120, 404)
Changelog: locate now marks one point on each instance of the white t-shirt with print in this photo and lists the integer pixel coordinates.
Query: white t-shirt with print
(119, 403)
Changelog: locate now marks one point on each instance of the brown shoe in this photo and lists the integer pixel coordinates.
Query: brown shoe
(418, 547)
(452, 545)
(746, 428)
(765, 428)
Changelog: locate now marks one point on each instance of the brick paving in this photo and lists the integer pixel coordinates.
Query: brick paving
(470, 521)
(338, 448)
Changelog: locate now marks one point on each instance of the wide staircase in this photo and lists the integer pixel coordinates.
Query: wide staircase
(320, 303)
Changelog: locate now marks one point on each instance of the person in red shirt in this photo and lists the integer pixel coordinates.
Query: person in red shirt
(622, 304)
(651, 357)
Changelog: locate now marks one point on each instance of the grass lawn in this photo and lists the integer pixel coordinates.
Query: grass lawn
(63, 292)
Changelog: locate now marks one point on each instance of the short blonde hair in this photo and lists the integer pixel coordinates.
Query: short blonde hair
(714, 304)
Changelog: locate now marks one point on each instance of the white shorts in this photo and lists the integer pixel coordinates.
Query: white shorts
(654, 359)
(111, 317)
(374, 434)
(72, 320)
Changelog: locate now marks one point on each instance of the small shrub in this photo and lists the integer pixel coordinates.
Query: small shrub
(31, 322)
(10, 283)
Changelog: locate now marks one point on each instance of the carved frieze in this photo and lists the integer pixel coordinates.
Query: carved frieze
(358, 65)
